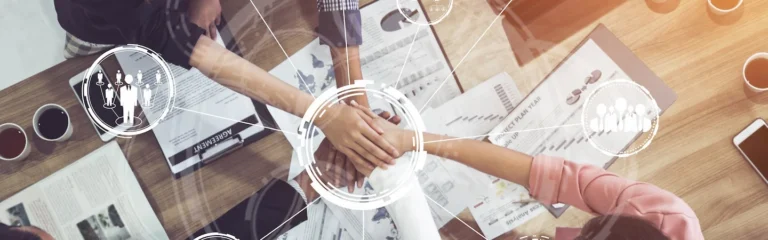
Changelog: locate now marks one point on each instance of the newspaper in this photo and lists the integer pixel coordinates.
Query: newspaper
(382, 57)
(553, 127)
(94, 198)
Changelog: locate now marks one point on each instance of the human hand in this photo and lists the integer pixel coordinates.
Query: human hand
(206, 14)
(352, 132)
(353, 173)
(401, 139)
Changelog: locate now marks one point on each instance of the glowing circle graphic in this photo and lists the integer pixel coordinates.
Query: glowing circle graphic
(135, 93)
(617, 112)
(409, 10)
(381, 197)
(216, 236)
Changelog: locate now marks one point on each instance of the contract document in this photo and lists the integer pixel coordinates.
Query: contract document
(387, 41)
(548, 121)
(206, 120)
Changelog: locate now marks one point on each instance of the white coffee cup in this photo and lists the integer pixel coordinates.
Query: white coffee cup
(719, 11)
(763, 55)
(24, 153)
(36, 119)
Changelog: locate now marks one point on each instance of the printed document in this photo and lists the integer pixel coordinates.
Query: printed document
(546, 122)
(206, 115)
(382, 56)
(96, 197)
(321, 224)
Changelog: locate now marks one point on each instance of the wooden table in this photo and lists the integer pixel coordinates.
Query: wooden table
(697, 55)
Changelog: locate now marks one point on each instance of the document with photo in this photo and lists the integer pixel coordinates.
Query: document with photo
(94, 198)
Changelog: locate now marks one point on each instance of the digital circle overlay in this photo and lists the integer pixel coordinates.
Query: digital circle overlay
(161, 78)
(381, 197)
(409, 9)
(216, 236)
(617, 112)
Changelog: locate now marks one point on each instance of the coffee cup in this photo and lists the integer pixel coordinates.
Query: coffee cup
(51, 123)
(15, 142)
(722, 7)
(755, 72)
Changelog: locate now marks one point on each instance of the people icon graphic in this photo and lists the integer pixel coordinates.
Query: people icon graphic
(621, 117)
(138, 77)
(119, 77)
(147, 96)
(100, 76)
(128, 100)
(110, 96)
(157, 77)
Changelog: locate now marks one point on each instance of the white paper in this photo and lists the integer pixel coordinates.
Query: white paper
(96, 197)
(202, 108)
(36, 38)
(546, 108)
(321, 224)
(471, 115)
(376, 224)
(382, 56)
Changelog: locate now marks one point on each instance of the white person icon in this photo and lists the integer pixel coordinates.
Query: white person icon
(147, 95)
(139, 76)
(119, 77)
(624, 119)
(128, 99)
(110, 95)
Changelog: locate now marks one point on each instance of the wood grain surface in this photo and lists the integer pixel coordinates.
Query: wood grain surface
(698, 55)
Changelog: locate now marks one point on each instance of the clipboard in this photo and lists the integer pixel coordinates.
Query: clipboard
(633, 67)
(231, 138)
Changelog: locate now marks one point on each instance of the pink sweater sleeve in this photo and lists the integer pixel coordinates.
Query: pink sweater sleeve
(595, 190)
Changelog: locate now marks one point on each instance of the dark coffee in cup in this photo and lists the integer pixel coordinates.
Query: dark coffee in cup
(14, 142)
(53, 123)
(756, 72)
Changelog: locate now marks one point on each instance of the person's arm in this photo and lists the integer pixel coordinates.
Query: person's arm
(555, 180)
(339, 27)
(349, 129)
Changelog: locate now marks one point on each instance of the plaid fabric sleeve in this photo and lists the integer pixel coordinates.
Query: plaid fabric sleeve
(339, 23)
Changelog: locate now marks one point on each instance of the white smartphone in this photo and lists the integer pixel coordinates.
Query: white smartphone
(752, 142)
(97, 96)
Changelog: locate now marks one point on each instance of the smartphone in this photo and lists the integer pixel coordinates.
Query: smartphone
(752, 142)
(107, 114)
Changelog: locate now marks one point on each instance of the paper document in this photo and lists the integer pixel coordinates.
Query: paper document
(377, 223)
(321, 224)
(94, 198)
(545, 123)
(206, 115)
(452, 185)
(382, 56)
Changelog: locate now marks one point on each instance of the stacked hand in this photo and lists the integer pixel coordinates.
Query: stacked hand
(343, 169)
(352, 132)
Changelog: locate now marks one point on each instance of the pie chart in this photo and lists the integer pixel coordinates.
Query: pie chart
(394, 20)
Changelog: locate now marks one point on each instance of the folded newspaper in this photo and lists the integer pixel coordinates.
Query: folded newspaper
(94, 198)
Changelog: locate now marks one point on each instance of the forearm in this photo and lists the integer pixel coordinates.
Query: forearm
(346, 68)
(238, 74)
(501, 162)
